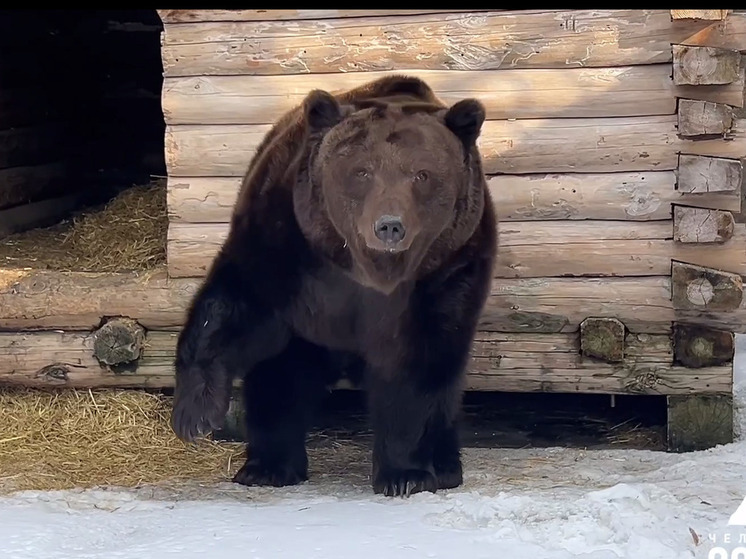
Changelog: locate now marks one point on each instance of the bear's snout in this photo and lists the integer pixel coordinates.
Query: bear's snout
(390, 230)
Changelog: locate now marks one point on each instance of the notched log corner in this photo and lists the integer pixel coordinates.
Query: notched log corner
(119, 342)
(699, 225)
(695, 287)
(698, 346)
(603, 338)
(704, 119)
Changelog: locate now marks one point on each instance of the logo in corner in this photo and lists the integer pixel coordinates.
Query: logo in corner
(738, 518)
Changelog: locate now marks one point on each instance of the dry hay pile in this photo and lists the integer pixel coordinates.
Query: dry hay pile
(81, 438)
(126, 234)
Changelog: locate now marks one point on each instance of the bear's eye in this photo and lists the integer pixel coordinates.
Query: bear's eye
(422, 176)
(362, 173)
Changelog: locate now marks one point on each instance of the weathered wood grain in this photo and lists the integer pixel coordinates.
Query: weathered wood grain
(699, 175)
(705, 289)
(462, 41)
(572, 196)
(38, 299)
(697, 346)
(196, 16)
(704, 118)
(727, 34)
(700, 14)
(591, 145)
(506, 362)
(705, 65)
(698, 225)
(603, 338)
(699, 422)
(555, 93)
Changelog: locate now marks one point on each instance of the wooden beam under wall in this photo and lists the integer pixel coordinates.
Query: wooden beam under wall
(506, 362)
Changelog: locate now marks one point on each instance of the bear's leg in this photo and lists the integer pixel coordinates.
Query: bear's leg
(416, 444)
(447, 454)
(281, 395)
(227, 331)
(415, 401)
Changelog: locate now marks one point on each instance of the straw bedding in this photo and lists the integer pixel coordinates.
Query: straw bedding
(126, 234)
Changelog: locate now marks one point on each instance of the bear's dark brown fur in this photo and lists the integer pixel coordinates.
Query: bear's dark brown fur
(362, 244)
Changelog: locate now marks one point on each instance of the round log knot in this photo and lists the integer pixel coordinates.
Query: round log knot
(700, 291)
(56, 373)
(118, 341)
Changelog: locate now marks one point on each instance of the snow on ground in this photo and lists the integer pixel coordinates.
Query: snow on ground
(535, 503)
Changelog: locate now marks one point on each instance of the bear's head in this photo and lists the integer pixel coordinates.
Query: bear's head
(392, 188)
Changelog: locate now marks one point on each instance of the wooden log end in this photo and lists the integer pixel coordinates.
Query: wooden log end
(602, 338)
(701, 225)
(709, 15)
(693, 65)
(697, 346)
(702, 119)
(119, 341)
(699, 422)
(695, 287)
(698, 174)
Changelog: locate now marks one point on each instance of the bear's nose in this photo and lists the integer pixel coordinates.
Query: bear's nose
(389, 229)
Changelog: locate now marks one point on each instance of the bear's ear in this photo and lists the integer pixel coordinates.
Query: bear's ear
(322, 110)
(465, 119)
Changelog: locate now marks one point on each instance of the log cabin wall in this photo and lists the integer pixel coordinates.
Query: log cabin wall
(80, 109)
(614, 146)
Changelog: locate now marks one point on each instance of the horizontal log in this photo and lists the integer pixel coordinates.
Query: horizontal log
(196, 16)
(19, 185)
(705, 65)
(505, 362)
(554, 93)
(36, 299)
(572, 196)
(461, 41)
(590, 145)
(527, 249)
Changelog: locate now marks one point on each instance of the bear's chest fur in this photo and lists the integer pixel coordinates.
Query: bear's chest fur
(332, 310)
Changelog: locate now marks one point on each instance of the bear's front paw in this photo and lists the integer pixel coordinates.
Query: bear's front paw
(198, 411)
(257, 472)
(403, 483)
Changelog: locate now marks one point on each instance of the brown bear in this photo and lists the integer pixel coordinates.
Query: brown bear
(361, 245)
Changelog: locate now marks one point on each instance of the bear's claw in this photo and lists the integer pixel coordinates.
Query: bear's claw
(403, 483)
